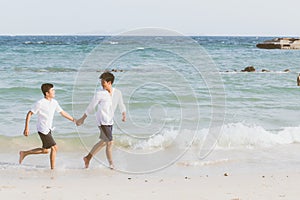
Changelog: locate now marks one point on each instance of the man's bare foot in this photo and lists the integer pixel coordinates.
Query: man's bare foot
(111, 166)
(86, 162)
(22, 156)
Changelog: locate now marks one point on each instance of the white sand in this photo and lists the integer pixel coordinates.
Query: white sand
(108, 184)
(268, 174)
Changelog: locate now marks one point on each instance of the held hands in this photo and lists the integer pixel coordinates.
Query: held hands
(81, 120)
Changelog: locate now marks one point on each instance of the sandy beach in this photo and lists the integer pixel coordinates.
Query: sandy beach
(256, 156)
(108, 184)
(225, 175)
(198, 125)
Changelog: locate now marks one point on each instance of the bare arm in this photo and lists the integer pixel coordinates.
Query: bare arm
(67, 116)
(28, 117)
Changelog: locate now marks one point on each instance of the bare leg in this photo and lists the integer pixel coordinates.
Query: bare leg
(97, 147)
(53, 156)
(109, 154)
(23, 154)
(87, 159)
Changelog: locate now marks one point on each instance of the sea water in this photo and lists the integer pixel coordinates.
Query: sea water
(172, 105)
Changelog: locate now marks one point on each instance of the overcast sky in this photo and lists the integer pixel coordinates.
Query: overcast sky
(189, 17)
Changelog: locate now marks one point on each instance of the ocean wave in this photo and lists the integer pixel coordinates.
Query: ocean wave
(45, 42)
(257, 72)
(159, 141)
(240, 135)
(232, 136)
(203, 163)
(11, 143)
(43, 69)
(59, 40)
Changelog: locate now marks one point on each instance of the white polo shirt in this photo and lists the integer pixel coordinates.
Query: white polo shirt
(45, 110)
(107, 105)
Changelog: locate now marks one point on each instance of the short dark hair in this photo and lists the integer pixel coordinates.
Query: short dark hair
(46, 87)
(108, 77)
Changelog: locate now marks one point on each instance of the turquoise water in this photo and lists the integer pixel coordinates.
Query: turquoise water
(269, 99)
(165, 94)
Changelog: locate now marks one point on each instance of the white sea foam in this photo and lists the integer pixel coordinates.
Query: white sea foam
(232, 136)
(159, 141)
(239, 135)
(112, 42)
(203, 163)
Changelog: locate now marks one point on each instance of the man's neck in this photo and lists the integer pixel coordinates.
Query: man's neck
(48, 98)
(109, 90)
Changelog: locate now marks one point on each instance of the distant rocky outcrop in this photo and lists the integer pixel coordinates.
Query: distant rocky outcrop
(249, 69)
(117, 70)
(112, 70)
(252, 69)
(280, 43)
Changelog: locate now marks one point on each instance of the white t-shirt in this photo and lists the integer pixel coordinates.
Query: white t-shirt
(107, 105)
(45, 110)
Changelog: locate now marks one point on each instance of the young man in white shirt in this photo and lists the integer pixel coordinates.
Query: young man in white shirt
(106, 99)
(45, 109)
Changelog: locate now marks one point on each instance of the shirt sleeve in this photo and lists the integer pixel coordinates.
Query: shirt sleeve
(121, 105)
(35, 108)
(92, 106)
(58, 108)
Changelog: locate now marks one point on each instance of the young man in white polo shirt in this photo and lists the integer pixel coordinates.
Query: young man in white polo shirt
(45, 109)
(106, 100)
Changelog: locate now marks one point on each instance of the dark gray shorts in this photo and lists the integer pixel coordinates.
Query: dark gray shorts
(47, 140)
(106, 133)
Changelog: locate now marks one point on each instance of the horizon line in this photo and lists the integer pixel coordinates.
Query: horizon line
(188, 35)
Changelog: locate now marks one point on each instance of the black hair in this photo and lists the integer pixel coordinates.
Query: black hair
(46, 87)
(108, 77)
